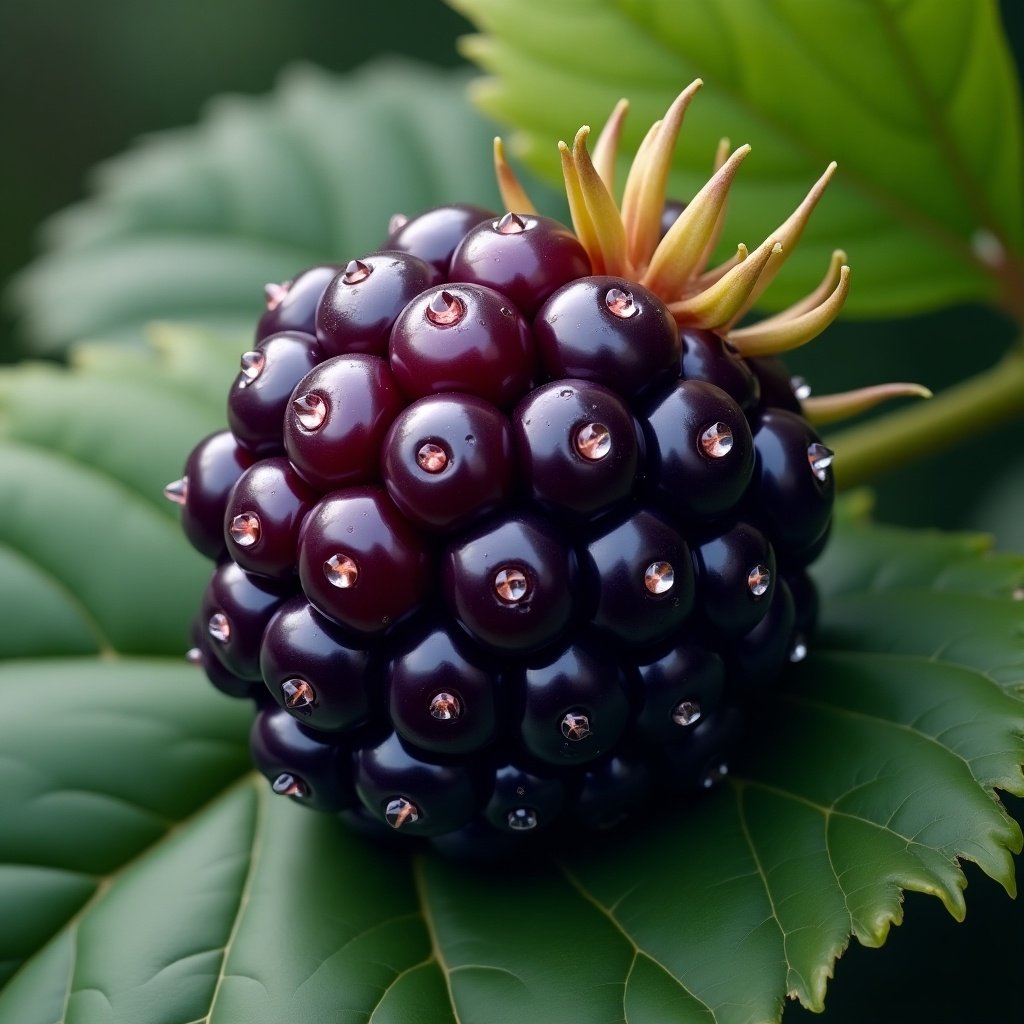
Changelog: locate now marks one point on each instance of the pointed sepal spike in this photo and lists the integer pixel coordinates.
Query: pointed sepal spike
(815, 298)
(606, 148)
(709, 277)
(680, 253)
(635, 178)
(513, 195)
(721, 155)
(644, 227)
(825, 409)
(176, 491)
(758, 340)
(790, 230)
(716, 305)
(274, 294)
(581, 222)
(604, 214)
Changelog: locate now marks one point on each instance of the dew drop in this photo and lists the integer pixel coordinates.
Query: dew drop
(758, 580)
(686, 712)
(341, 571)
(177, 491)
(356, 271)
(275, 294)
(194, 656)
(510, 584)
(593, 441)
(245, 529)
(510, 224)
(801, 389)
(445, 309)
(310, 411)
(575, 726)
(713, 776)
(522, 819)
(252, 364)
(299, 696)
(431, 458)
(798, 651)
(287, 784)
(396, 222)
(400, 811)
(445, 707)
(659, 577)
(219, 627)
(716, 441)
(620, 303)
(820, 458)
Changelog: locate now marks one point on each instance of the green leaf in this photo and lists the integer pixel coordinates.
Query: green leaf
(921, 112)
(128, 802)
(190, 224)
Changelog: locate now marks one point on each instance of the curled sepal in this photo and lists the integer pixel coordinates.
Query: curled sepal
(782, 335)
(709, 277)
(680, 252)
(581, 222)
(790, 230)
(604, 214)
(513, 195)
(643, 227)
(825, 409)
(717, 305)
(815, 298)
(606, 148)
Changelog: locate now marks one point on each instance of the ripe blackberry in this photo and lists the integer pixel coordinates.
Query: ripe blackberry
(512, 522)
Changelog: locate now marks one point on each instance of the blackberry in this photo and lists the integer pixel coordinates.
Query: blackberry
(512, 521)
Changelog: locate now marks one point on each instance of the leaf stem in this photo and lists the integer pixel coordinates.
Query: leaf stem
(976, 405)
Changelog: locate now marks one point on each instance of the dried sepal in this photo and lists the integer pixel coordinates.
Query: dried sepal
(679, 254)
(781, 336)
(606, 148)
(825, 409)
(717, 304)
(513, 195)
(581, 222)
(604, 214)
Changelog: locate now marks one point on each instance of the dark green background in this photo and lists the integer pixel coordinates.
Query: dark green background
(80, 81)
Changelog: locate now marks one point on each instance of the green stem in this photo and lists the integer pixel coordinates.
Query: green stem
(979, 404)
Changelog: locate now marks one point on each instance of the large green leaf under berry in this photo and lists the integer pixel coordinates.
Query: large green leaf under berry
(190, 224)
(919, 106)
(147, 876)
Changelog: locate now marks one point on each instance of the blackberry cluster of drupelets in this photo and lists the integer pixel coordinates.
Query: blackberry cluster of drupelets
(502, 548)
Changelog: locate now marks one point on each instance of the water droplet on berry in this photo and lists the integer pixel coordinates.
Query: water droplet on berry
(510, 584)
(298, 696)
(445, 309)
(341, 571)
(686, 712)
(575, 726)
(798, 651)
(252, 364)
(310, 411)
(356, 271)
(396, 222)
(177, 491)
(801, 389)
(593, 441)
(275, 294)
(713, 776)
(659, 577)
(620, 303)
(716, 440)
(431, 458)
(510, 224)
(522, 819)
(219, 627)
(820, 458)
(758, 580)
(445, 707)
(245, 529)
(194, 656)
(287, 784)
(401, 812)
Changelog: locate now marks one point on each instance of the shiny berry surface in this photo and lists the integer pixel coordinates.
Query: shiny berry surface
(736, 578)
(291, 306)
(611, 331)
(523, 256)
(707, 356)
(433, 234)
(678, 687)
(465, 338)
(363, 300)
